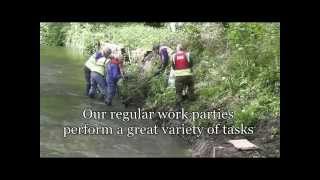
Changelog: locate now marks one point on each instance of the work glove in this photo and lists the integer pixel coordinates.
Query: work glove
(124, 77)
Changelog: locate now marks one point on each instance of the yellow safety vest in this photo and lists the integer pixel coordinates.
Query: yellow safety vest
(183, 72)
(96, 65)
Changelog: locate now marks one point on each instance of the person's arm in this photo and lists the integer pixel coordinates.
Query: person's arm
(166, 57)
(172, 62)
(121, 67)
(106, 63)
(190, 60)
(161, 57)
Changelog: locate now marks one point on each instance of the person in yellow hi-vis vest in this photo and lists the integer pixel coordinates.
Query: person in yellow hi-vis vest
(95, 72)
(182, 65)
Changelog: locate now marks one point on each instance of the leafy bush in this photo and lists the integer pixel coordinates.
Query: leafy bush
(83, 36)
(53, 34)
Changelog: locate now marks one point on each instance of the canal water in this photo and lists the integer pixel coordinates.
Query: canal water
(62, 102)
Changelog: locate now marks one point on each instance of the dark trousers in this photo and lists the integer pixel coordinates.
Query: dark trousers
(111, 88)
(97, 80)
(181, 83)
(87, 73)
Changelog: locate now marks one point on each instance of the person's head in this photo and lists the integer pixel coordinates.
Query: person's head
(106, 51)
(120, 57)
(156, 48)
(117, 57)
(180, 47)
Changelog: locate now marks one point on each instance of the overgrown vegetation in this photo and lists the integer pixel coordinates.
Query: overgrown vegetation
(237, 65)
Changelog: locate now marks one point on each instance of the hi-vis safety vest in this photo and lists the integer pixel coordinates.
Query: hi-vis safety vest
(181, 62)
(97, 65)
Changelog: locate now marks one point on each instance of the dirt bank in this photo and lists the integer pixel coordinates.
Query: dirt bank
(266, 136)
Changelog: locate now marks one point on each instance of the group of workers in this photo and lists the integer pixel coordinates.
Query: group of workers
(104, 69)
(102, 72)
